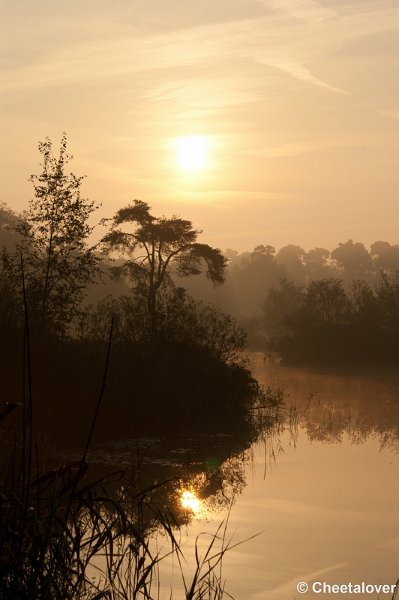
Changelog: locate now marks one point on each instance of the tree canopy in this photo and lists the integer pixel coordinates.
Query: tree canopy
(53, 243)
(153, 245)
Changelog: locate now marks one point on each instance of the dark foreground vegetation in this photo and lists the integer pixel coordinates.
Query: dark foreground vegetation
(325, 322)
(151, 360)
(176, 364)
(64, 535)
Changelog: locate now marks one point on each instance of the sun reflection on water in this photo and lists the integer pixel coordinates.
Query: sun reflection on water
(190, 501)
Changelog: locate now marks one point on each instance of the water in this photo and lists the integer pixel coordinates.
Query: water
(321, 489)
(326, 512)
(324, 495)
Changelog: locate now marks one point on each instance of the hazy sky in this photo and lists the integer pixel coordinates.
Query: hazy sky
(298, 99)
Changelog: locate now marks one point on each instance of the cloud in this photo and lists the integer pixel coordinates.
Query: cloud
(202, 94)
(292, 37)
(293, 149)
(384, 42)
(307, 10)
(300, 72)
(274, 38)
(392, 113)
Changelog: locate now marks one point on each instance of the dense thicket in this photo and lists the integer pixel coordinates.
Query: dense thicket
(326, 321)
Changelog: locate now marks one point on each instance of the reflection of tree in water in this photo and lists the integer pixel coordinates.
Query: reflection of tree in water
(208, 469)
(155, 498)
(211, 469)
(359, 406)
(218, 487)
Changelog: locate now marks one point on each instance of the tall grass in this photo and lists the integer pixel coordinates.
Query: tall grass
(61, 539)
(64, 538)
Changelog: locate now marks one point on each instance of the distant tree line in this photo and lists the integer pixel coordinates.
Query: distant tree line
(251, 275)
(316, 306)
(325, 321)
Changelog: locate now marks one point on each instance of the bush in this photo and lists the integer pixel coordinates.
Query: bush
(329, 324)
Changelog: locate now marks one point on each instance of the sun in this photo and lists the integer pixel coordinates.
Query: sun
(192, 153)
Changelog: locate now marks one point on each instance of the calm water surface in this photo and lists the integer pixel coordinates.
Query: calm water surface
(324, 494)
(321, 490)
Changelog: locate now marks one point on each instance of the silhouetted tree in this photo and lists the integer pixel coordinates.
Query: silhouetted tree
(8, 223)
(316, 264)
(252, 277)
(353, 259)
(316, 329)
(154, 245)
(387, 290)
(57, 261)
(364, 303)
(334, 323)
(8, 241)
(279, 305)
(325, 302)
(292, 258)
(386, 257)
(263, 252)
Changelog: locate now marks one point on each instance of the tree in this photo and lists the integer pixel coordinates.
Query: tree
(256, 275)
(57, 261)
(386, 257)
(316, 329)
(8, 222)
(292, 258)
(325, 302)
(316, 265)
(262, 252)
(154, 245)
(279, 305)
(353, 259)
(8, 241)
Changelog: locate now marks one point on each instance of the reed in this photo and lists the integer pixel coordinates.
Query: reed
(62, 538)
(78, 541)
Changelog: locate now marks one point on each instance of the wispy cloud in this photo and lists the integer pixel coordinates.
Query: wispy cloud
(300, 72)
(392, 113)
(307, 10)
(292, 35)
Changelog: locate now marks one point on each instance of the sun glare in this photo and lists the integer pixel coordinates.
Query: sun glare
(189, 501)
(193, 153)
